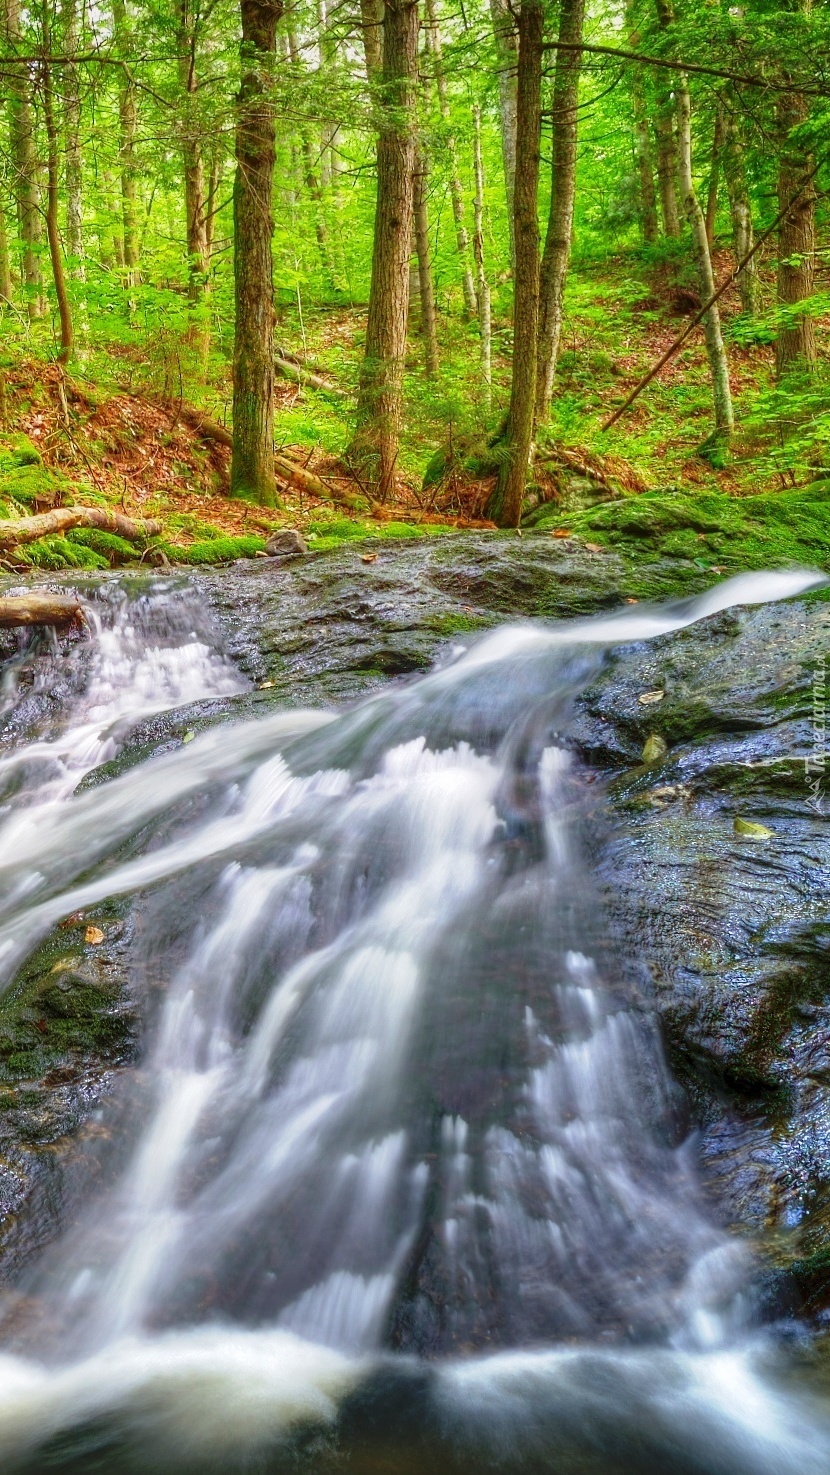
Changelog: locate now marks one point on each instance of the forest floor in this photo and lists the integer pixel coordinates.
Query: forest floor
(113, 428)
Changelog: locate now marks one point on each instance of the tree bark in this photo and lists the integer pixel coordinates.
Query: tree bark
(796, 339)
(379, 406)
(715, 350)
(740, 209)
(482, 284)
(426, 286)
(73, 174)
(128, 121)
(314, 188)
(24, 164)
(505, 36)
(433, 37)
(714, 176)
(642, 141)
(52, 202)
(195, 200)
(506, 503)
(371, 25)
(667, 165)
(13, 532)
(560, 219)
(39, 609)
(252, 463)
(6, 283)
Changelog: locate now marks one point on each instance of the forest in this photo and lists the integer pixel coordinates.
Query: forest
(391, 267)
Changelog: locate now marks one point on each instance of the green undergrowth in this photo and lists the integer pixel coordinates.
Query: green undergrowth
(713, 532)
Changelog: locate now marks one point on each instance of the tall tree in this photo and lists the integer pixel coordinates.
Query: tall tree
(379, 406)
(506, 503)
(128, 121)
(740, 205)
(507, 44)
(52, 200)
(188, 30)
(23, 155)
(252, 462)
(796, 338)
(456, 191)
(563, 185)
(73, 171)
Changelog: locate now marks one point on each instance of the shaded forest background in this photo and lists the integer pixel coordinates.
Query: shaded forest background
(369, 259)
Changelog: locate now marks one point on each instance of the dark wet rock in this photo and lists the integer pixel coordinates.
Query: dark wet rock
(67, 1024)
(286, 544)
(734, 930)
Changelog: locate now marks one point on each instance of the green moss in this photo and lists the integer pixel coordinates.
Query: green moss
(57, 553)
(456, 624)
(770, 530)
(217, 550)
(113, 549)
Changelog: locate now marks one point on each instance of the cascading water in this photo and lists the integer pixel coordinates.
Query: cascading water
(395, 1185)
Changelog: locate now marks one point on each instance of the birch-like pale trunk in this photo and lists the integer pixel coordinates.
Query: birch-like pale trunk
(24, 163)
(482, 284)
(507, 52)
(433, 37)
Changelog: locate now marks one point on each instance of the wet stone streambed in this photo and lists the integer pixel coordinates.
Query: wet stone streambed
(415, 1020)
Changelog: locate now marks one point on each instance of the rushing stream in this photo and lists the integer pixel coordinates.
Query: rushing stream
(396, 1184)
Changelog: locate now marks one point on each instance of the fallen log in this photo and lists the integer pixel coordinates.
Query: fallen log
(14, 531)
(39, 609)
(298, 374)
(306, 481)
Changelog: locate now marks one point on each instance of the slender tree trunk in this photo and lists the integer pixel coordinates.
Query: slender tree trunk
(379, 405)
(371, 25)
(73, 174)
(252, 463)
(506, 502)
(740, 209)
(642, 141)
(426, 287)
(24, 164)
(507, 47)
(482, 284)
(6, 283)
(560, 219)
(667, 165)
(314, 188)
(456, 191)
(714, 176)
(715, 350)
(195, 200)
(796, 341)
(52, 202)
(128, 120)
(217, 169)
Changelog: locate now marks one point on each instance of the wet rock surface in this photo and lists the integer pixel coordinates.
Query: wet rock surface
(730, 931)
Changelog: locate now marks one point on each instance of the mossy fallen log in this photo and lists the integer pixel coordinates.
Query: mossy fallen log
(15, 531)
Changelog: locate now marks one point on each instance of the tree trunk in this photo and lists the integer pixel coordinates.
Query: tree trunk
(128, 121)
(371, 25)
(252, 463)
(667, 165)
(715, 350)
(796, 340)
(217, 166)
(426, 286)
(314, 188)
(456, 192)
(506, 503)
(560, 219)
(24, 164)
(504, 34)
(195, 201)
(740, 209)
(714, 176)
(482, 285)
(14, 531)
(73, 176)
(379, 405)
(642, 140)
(52, 203)
(39, 609)
(6, 283)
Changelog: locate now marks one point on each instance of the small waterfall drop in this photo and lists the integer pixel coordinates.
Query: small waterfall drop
(398, 1169)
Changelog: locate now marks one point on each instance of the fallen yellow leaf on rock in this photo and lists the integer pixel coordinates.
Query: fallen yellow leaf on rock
(594, 547)
(655, 747)
(647, 698)
(561, 533)
(368, 558)
(263, 685)
(752, 831)
(93, 935)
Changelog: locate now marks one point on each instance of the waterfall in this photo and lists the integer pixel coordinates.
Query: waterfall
(396, 1179)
